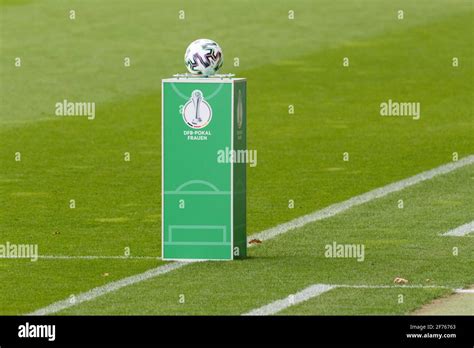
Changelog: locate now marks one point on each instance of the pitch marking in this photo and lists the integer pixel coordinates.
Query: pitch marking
(110, 287)
(318, 289)
(96, 257)
(267, 234)
(363, 198)
(461, 230)
(465, 291)
(86, 257)
(301, 296)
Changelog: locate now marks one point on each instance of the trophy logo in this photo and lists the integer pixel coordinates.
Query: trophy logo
(197, 112)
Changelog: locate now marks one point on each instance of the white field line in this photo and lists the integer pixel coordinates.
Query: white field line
(394, 286)
(363, 198)
(465, 291)
(95, 257)
(267, 234)
(110, 287)
(85, 257)
(301, 296)
(461, 230)
(317, 289)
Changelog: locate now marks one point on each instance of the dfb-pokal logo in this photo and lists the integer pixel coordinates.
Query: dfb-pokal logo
(197, 112)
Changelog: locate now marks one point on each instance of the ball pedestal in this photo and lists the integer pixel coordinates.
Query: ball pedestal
(203, 183)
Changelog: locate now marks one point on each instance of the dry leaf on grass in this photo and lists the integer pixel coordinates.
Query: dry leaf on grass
(399, 280)
(255, 241)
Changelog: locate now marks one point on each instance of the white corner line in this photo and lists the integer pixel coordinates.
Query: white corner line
(264, 235)
(461, 231)
(361, 199)
(318, 289)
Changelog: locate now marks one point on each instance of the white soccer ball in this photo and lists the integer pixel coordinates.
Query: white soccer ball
(203, 57)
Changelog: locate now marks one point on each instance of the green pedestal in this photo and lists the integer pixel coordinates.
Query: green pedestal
(203, 186)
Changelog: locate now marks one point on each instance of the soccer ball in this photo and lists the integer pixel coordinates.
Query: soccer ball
(203, 57)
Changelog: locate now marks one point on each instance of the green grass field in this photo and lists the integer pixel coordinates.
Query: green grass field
(300, 156)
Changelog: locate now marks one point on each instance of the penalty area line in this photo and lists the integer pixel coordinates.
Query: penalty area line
(266, 234)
